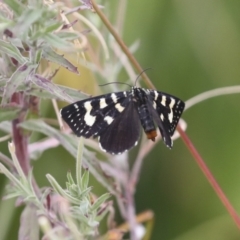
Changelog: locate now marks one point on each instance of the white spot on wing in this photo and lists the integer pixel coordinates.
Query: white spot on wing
(155, 95)
(101, 145)
(88, 118)
(76, 106)
(163, 102)
(154, 105)
(102, 103)
(114, 97)
(162, 117)
(108, 119)
(170, 116)
(171, 105)
(119, 107)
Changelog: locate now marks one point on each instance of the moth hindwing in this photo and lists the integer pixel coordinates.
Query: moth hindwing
(116, 117)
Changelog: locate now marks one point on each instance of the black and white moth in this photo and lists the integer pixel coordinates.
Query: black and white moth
(116, 118)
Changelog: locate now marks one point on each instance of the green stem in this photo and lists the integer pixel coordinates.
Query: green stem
(79, 163)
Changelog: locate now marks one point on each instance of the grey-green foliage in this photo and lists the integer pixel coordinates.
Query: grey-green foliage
(80, 209)
(32, 32)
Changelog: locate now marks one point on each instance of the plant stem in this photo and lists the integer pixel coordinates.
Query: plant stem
(19, 139)
(131, 213)
(209, 177)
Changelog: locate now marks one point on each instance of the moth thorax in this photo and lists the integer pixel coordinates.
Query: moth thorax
(139, 95)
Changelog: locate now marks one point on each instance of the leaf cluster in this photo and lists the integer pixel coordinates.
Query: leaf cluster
(33, 35)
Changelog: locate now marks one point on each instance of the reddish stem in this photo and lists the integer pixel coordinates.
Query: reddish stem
(19, 139)
(209, 176)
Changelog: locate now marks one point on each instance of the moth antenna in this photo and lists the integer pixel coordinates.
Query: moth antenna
(115, 83)
(141, 74)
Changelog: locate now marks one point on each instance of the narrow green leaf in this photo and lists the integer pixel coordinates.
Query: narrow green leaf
(73, 94)
(12, 51)
(80, 215)
(16, 79)
(43, 31)
(28, 17)
(68, 185)
(70, 178)
(12, 178)
(85, 192)
(51, 27)
(52, 56)
(15, 6)
(38, 56)
(30, 183)
(5, 24)
(45, 193)
(50, 87)
(85, 179)
(23, 178)
(11, 195)
(73, 190)
(8, 113)
(17, 42)
(84, 207)
(6, 126)
(66, 35)
(100, 216)
(100, 201)
(59, 43)
(96, 170)
(60, 190)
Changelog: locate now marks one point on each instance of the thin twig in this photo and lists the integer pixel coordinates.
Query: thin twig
(131, 213)
(210, 94)
(210, 177)
(145, 148)
(7, 161)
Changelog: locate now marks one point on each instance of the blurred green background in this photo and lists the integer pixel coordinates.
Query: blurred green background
(193, 46)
